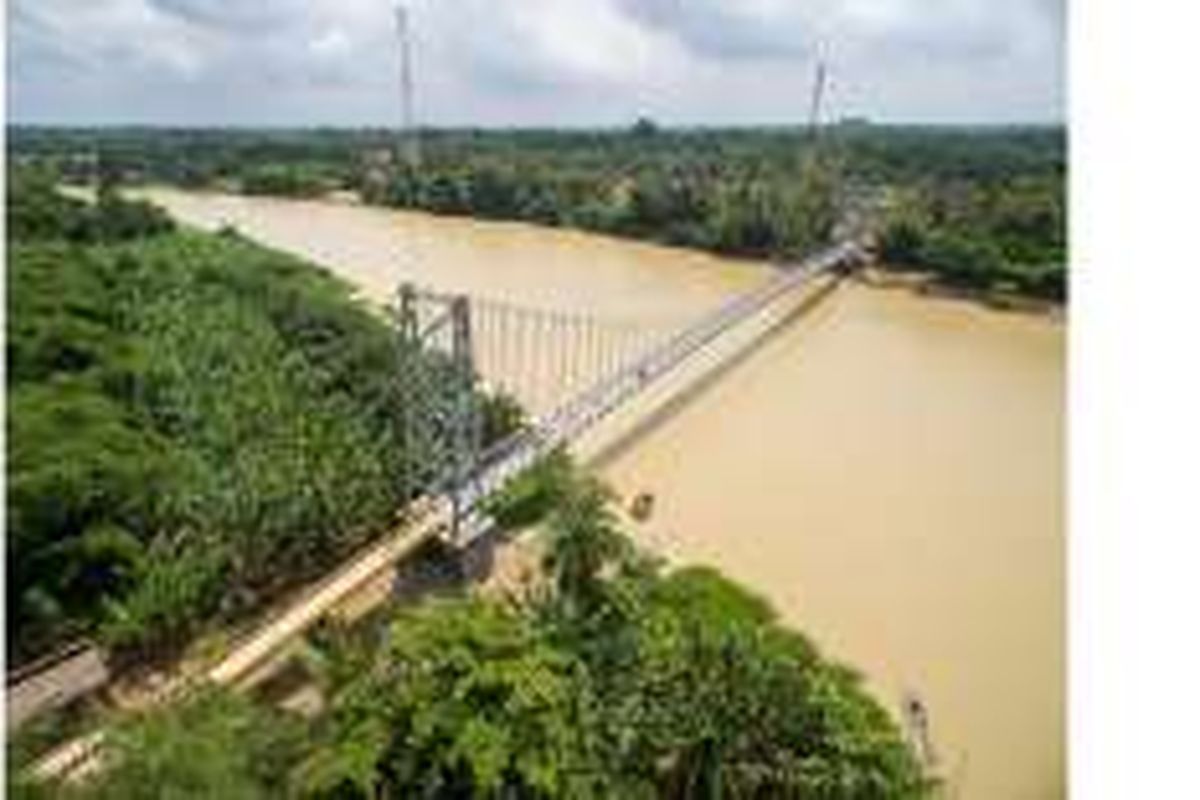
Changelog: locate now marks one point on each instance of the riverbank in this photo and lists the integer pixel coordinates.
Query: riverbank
(928, 284)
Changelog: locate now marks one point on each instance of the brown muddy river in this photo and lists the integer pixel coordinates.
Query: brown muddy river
(887, 468)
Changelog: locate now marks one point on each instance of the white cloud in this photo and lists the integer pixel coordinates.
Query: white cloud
(331, 44)
(531, 61)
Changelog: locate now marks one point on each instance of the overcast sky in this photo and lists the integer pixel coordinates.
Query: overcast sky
(532, 62)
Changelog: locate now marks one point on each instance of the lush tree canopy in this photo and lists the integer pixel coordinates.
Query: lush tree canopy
(1009, 235)
(37, 211)
(194, 423)
(217, 745)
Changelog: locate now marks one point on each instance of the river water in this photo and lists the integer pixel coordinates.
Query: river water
(886, 467)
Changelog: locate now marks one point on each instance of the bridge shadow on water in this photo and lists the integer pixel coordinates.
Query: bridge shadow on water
(697, 387)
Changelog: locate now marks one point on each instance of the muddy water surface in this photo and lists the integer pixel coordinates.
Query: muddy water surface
(886, 467)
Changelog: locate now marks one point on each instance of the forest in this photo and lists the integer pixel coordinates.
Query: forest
(608, 676)
(195, 423)
(980, 208)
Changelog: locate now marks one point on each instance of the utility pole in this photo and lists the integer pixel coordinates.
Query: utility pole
(410, 145)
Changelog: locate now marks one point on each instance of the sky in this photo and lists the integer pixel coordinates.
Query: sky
(532, 62)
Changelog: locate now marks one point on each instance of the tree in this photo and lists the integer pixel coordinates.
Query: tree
(465, 699)
(215, 745)
(701, 692)
(902, 243)
(644, 126)
(729, 702)
(583, 540)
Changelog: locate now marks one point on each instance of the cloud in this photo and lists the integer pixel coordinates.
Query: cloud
(96, 38)
(531, 61)
(771, 29)
(710, 28)
(246, 17)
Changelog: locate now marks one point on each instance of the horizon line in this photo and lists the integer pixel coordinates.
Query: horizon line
(850, 120)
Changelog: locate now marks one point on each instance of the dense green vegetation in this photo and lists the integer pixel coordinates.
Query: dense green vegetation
(287, 181)
(218, 745)
(609, 679)
(38, 212)
(1010, 237)
(982, 208)
(194, 423)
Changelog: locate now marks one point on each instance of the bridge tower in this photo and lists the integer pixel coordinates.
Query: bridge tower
(442, 418)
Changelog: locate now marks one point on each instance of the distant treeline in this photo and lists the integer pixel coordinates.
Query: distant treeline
(194, 422)
(981, 207)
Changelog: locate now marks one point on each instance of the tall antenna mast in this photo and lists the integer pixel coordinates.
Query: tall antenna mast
(814, 111)
(410, 144)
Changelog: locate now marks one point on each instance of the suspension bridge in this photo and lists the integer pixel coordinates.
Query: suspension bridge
(571, 372)
(458, 354)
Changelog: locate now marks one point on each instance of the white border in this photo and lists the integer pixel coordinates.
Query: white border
(1135, 400)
